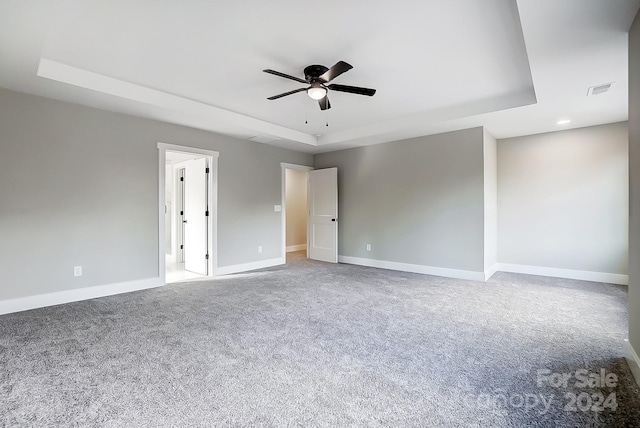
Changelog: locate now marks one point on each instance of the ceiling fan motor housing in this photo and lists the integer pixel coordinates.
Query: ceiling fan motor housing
(313, 72)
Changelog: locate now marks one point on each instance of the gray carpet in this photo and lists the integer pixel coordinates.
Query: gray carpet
(312, 344)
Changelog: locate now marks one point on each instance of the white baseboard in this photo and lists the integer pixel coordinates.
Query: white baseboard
(296, 248)
(75, 295)
(405, 267)
(244, 267)
(610, 278)
(490, 272)
(633, 360)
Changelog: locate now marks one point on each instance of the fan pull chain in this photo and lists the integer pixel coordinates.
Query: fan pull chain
(306, 113)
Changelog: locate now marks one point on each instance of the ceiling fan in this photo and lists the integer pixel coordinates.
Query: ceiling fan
(317, 76)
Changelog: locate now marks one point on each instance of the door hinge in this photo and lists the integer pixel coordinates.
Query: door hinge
(181, 212)
(182, 247)
(206, 256)
(181, 178)
(206, 213)
(206, 170)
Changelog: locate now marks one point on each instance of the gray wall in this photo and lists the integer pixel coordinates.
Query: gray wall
(490, 152)
(296, 199)
(417, 201)
(79, 186)
(634, 170)
(563, 199)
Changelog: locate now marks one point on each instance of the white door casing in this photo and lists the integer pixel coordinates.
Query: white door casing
(195, 226)
(323, 215)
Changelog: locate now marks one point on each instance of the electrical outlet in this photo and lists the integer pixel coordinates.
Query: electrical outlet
(77, 271)
(368, 247)
(259, 248)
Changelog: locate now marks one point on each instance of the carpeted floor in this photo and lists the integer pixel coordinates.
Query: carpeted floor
(313, 344)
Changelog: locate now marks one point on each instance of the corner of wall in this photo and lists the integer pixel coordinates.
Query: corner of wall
(633, 361)
(490, 271)
(634, 185)
(490, 170)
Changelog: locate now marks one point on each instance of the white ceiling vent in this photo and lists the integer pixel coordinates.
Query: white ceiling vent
(262, 139)
(600, 89)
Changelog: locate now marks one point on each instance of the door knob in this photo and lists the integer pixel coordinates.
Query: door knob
(333, 219)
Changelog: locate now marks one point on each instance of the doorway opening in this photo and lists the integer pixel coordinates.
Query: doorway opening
(188, 219)
(295, 182)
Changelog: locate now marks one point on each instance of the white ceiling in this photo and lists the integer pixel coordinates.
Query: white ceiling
(516, 67)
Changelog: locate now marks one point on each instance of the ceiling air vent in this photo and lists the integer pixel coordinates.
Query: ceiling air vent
(600, 89)
(263, 139)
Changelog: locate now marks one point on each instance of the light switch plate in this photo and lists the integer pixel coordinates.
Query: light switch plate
(277, 208)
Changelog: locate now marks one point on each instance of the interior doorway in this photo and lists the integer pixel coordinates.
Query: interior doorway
(295, 182)
(189, 198)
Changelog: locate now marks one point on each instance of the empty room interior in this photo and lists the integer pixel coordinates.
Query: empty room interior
(347, 213)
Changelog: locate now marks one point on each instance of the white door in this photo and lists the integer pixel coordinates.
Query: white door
(323, 215)
(195, 216)
(179, 199)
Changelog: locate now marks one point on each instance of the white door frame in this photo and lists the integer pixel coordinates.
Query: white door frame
(284, 166)
(212, 202)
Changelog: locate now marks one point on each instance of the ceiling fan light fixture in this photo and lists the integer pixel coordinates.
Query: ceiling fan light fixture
(317, 92)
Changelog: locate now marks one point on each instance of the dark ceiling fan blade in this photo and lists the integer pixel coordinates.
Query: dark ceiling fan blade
(275, 97)
(286, 76)
(335, 71)
(324, 103)
(352, 89)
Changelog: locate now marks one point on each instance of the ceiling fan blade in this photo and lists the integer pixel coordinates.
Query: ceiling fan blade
(275, 97)
(335, 71)
(286, 76)
(352, 89)
(324, 103)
